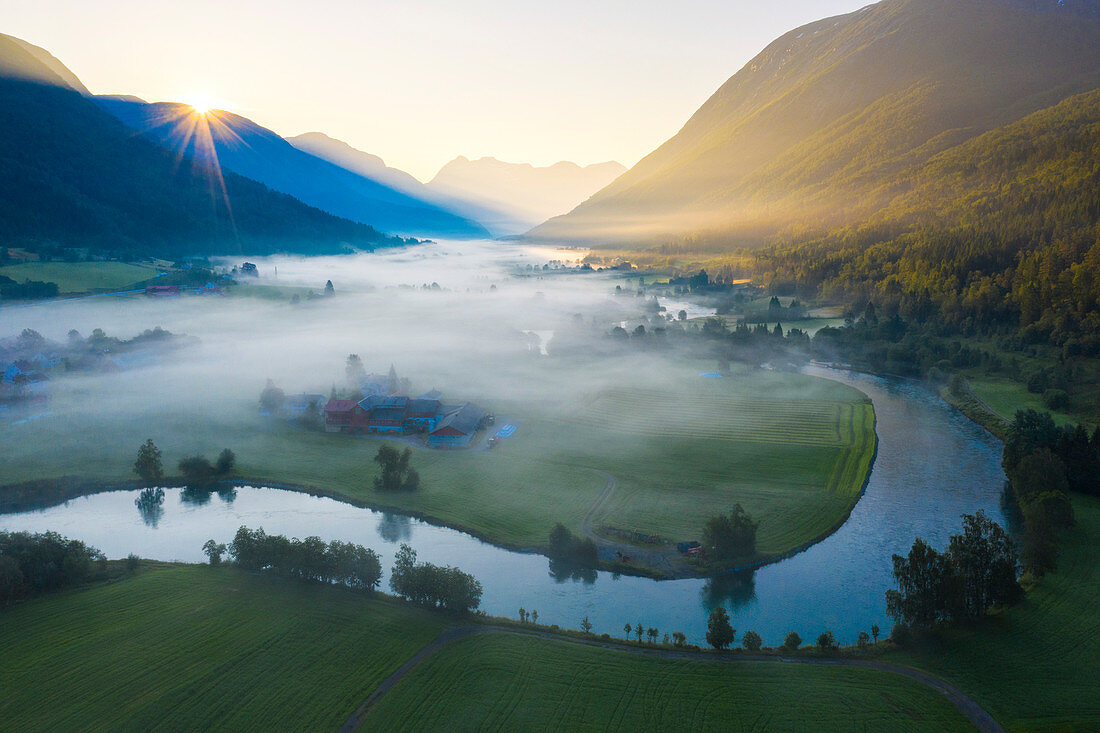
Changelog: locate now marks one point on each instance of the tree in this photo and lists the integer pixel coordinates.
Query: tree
(751, 641)
(682, 315)
(985, 559)
(652, 633)
(272, 398)
(148, 463)
(863, 638)
(875, 631)
(225, 463)
(793, 641)
(825, 641)
(679, 638)
(196, 470)
(627, 628)
(354, 371)
(396, 472)
(920, 599)
(726, 538)
(523, 614)
(638, 631)
(213, 551)
(586, 625)
(329, 290)
(534, 616)
(719, 632)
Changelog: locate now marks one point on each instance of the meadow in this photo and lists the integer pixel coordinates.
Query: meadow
(511, 682)
(175, 647)
(81, 277)
(215, 648)
(1034, 666)
(794, 450)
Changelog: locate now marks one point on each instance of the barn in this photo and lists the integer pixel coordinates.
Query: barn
(458, 427)
(339, 415)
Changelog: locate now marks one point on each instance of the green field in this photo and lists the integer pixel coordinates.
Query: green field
(194, 647)
(81, 277)
(1006, 397)
(793, 449)
(197, 648)
(1035, 666)
(504, 682)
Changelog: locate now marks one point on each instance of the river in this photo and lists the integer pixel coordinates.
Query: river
(932, 466)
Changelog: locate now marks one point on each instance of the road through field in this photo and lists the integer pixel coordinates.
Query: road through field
(974, 712)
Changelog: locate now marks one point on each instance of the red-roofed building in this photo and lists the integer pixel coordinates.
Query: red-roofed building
(340, 415)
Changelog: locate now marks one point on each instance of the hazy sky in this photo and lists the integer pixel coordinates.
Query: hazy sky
(421, 81)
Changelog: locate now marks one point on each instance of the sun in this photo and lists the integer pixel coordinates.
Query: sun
(201, 104)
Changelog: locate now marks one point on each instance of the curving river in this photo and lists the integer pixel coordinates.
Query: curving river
(933, 465)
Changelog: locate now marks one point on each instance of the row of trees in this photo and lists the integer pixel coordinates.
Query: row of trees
(976, 572)
(309, 559)
(36, 563)
(196, 470)
(433, 585)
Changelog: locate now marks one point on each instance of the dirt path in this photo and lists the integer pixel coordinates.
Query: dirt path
(658, 559)
(974, 712)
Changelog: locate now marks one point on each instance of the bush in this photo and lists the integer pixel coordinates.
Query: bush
(132, 562)
(901, 635)
(1056, 399)
(792, 642)
(433, 585)
(35, 563)
(751, 641)
(825, 641)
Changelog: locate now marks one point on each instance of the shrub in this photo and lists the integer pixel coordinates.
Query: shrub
(751, 641)
(792, 642)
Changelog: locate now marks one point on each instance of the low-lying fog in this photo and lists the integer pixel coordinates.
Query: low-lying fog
(452, 316)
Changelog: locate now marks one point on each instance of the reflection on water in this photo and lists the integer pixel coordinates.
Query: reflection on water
(150, 504)
(932, 466)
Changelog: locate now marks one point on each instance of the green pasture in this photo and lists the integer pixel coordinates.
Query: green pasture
(1006, 397)
(1035, 666)
(81, 277)
(793, 450)
(198, 648)
(512, 682)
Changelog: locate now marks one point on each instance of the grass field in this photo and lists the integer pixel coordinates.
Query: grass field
(794, 450)
(81, 277)
(197, 648)
(1006, 397)
(1035, 667)
(503, 682)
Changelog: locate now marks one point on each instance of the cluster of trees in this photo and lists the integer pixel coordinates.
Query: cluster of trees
(26, 290)
(567, 547)
(37, 563)
(1044, 463)
(198, 471)
(397, 474)
(730, 537)
(976, 572)
(434, 585)
(310, 559)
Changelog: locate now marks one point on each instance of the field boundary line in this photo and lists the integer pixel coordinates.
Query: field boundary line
(974, 712)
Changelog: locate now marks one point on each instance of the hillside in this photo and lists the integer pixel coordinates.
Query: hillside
(521, 194)
(828, 122)
(240, 145)
(74, 176)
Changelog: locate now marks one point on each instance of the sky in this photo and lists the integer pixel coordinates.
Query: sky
(419, 82)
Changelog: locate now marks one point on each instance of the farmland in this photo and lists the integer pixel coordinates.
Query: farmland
(793, 449)
(1034, 666)
(503, 682)
(199, 647)
(202, 647)
(81, 277)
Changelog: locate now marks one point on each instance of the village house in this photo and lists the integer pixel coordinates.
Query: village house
(447, 427)
(458, 427)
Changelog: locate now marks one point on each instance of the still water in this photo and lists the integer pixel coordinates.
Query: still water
(932, 466)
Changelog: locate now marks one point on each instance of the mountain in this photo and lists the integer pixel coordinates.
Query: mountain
(240, 145)
(831, 121)
(521, 194)
(74, 176)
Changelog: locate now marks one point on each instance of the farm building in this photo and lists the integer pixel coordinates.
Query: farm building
(458, 427)
(338, 415)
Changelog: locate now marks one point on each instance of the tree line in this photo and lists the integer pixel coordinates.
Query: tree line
(37, 563)
(311, 559)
